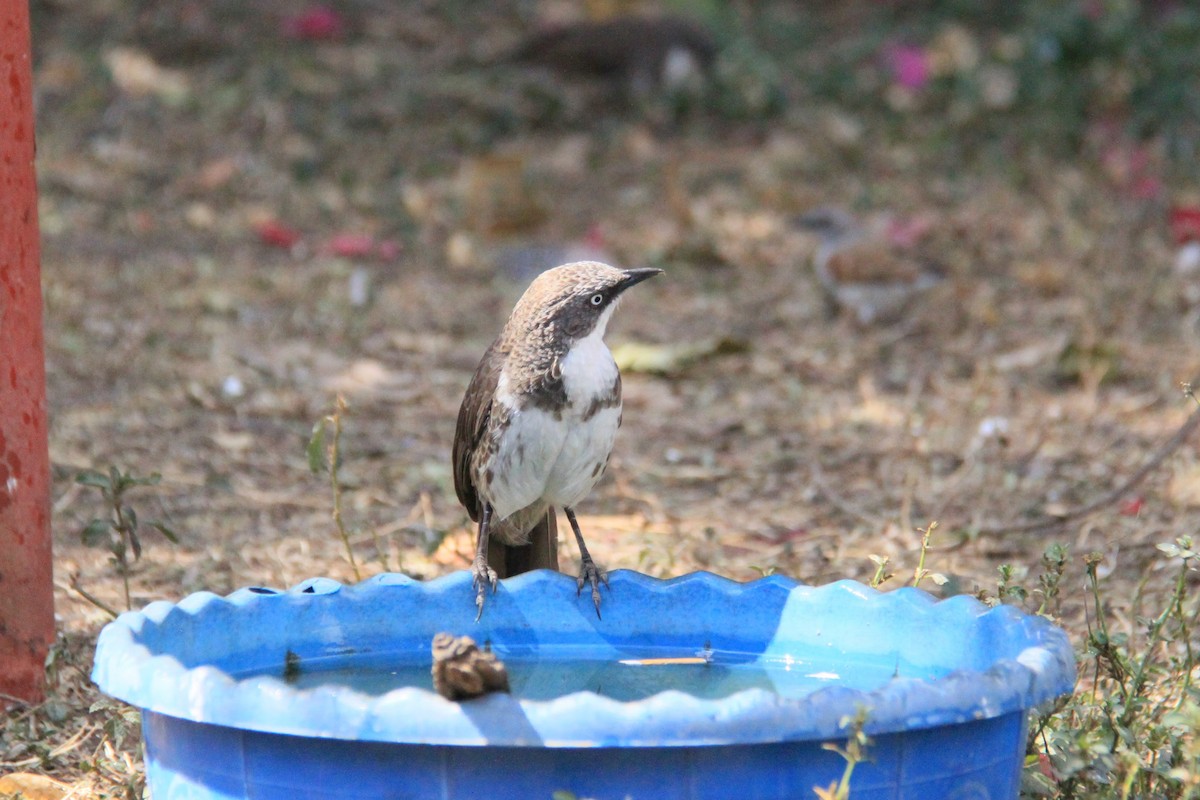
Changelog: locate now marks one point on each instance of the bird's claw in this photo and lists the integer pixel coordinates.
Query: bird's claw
(482, 575)
(590, 573)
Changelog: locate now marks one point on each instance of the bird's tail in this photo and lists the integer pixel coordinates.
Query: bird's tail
(541, 552)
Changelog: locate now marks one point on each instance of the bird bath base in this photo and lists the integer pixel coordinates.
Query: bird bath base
(221, 720)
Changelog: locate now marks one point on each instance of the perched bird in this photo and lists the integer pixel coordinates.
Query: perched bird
(538, 420)
(866, 272)
(643, 52)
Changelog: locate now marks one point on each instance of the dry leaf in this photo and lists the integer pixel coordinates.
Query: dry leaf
(363, 376)
(136, 73)
(670, 359)
(1184, 486)
(32, 787)
(233, 441)
(1046, 276)
(498, 194)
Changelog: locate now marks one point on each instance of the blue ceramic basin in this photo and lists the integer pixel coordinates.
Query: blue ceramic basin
(266, 694)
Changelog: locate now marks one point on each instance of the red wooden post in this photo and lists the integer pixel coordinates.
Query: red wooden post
(26, 578)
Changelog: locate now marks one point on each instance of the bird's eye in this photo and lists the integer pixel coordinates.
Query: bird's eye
(597, 299)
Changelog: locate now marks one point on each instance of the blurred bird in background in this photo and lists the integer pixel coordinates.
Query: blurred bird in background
(875, 273)
(644, 54)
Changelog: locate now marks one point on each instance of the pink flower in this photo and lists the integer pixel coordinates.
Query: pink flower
(363, 246)
(907, 232)
(351, 245)
(388, 250)
(1132, 168)
(317, 23)
(1146, 187)
(910, 66)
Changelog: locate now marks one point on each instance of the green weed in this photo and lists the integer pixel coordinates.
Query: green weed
(118, 529)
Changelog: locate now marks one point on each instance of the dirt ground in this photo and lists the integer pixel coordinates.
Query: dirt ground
(240, 223)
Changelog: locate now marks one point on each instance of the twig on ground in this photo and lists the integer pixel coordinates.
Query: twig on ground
(13, 699)
(74, 741)
(91, 598)
(841, 503)
(1108, 498)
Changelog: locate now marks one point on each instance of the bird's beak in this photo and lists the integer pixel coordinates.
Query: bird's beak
(634, 276)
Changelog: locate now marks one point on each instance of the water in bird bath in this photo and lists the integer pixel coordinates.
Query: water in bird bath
(633, 675)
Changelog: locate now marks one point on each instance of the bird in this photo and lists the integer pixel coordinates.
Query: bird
(872, 275)
(643, 52)
(538, 420)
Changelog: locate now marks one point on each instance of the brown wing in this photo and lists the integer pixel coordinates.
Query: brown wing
(473, 418)
(873, 262)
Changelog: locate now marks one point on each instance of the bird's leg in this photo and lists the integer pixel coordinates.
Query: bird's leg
(482, 573)
(588, 571)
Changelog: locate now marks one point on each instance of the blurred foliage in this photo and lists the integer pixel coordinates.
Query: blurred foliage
(1130, 730)
(1132, 727)
(1045, 72)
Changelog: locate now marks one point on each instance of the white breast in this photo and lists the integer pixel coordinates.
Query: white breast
(558, 458)
(524, 460)
(583, 457)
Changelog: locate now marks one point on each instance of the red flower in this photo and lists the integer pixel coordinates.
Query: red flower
(274, 233)
(1046, 767)
(1185, 224)
(1132, 507)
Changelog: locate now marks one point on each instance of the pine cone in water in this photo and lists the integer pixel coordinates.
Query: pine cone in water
(462, 671)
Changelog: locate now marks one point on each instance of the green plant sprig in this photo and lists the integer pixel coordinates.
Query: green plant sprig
(854, 753)
(118, 531)
(327, 457)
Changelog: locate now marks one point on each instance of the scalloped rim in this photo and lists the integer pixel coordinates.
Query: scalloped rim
(128, 670)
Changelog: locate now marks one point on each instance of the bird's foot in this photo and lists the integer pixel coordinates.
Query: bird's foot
(591, 574)
(482, 575)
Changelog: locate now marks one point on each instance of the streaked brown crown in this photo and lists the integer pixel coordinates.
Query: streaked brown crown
(561, 306)
(561, 303)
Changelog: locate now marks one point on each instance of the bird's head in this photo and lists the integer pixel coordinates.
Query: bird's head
(577, 299)
(829, 223)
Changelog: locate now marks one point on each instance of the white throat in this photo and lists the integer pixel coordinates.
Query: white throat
(588, 369)
(602, 323)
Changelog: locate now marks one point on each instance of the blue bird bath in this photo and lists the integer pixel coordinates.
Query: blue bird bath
(696, 687)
